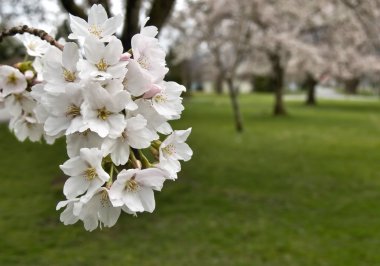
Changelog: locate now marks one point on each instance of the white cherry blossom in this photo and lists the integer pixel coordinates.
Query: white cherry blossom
(103, 61)
(172, 150)
(150, 56)
(155, 121)
(98, 25)
(135, 135)
(60, 68)
(34, 45)
(134, 189)
(11, 81)
(168, 102)
(96, 209)
(65, 113)
(85, 173)
(102, 111)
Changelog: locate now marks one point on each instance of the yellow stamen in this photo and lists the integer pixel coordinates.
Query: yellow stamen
(143, 61)
(104, 199)
(90, 173)
(160, 98)
(103, 113)
(73, 111)
(131, 185)
(12, 79)
(95, 30)
(170, 149)
(102, 65)
(68, 75)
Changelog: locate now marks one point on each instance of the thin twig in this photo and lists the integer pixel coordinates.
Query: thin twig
(43, 35)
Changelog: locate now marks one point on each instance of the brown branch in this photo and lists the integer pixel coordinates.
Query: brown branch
(43, 35)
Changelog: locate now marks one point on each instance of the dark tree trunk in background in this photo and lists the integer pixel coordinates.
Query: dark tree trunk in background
(186, 76)
(158, 14)
(73, 8)
(218, 85)
(131, 22)
(351, 85)
(278, 80)
(310, 85)
(235, 105)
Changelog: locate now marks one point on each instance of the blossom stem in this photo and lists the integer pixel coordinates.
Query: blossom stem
(144, 160)
(156, 144)
(135, 163)
(110, 181)
(43, 35)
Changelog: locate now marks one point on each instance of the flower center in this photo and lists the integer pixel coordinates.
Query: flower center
(131, 185)
(104, 199)
(73, 111)
(90, 173)
(170, 149)
(68, 75)
(124, 135)
(95, 30)
(102, 65)
(160, 98)
(103, 113)
(12, 79)
(143, 61)
(18, 97)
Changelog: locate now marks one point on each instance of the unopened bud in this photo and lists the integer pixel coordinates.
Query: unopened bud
(125, 57)
(154, 89)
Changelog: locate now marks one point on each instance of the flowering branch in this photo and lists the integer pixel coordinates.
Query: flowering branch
(43, 35)
(109, 105)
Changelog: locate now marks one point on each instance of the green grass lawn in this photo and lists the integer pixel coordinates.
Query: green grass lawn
(297, 190)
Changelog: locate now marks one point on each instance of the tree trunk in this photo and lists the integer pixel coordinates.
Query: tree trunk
(351, 85)
(160, 12)
(311, 85)
(235, 106)
(131, 22)
(278, 80)
(218, 86)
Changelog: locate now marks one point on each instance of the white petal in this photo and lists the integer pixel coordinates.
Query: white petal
(97, 15)
(111, 25)
(133, 201)
(109, 214)
(184, 151)
(79, 27)
(70, 56)
(147, 199)
(75, 186)
(113, 52)
(67, 216)
(151, 177)
(74, 166)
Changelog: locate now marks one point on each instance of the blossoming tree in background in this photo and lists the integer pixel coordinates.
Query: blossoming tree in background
(287, 40)
(112, 106)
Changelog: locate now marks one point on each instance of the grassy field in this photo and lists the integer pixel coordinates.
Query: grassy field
(297, 190)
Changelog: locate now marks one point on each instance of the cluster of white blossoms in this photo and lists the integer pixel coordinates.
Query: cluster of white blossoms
(111, 105)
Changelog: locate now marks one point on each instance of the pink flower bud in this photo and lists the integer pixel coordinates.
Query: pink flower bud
(154, 89)
(125, 57)
(29, 74)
